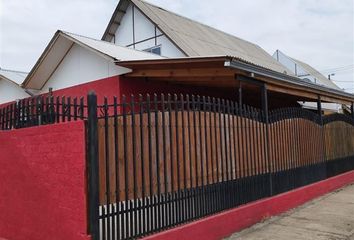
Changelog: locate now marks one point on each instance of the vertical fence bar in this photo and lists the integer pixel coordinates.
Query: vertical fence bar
(93, 166)
(142, 161)
(178, 203)
(135, 180)
(157, 158)
(171, 196)
(150, 210)
(165, 210)
(190, 192)
(185, 204)
(127, 212)
(107, 208)
(116, 170)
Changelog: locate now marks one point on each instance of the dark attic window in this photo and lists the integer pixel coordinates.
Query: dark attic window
(155, 50)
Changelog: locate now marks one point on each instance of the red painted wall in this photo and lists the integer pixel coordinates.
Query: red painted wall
(42, 183)
(104, 87)
(119, 85)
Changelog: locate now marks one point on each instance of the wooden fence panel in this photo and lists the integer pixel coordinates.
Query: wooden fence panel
(185, 149)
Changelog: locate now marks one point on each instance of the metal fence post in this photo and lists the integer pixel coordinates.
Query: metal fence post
(266, 120)
(319, 111)
(92, 151)
(352, 108)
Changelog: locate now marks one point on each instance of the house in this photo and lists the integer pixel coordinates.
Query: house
(144, 26)
(146, 49)
(10, 85)
(72, 63)
(307, 73)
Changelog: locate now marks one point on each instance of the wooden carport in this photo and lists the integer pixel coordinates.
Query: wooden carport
(246, 79)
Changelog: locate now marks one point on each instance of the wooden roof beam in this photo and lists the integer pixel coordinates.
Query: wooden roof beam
(175, 73)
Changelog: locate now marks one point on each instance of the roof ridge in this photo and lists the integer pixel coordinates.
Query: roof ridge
(195, 21)
(95, 39)
(105, 42)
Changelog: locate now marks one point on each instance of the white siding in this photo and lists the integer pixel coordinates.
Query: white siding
(10, 92)
(143, 29)
(80, 66)
(168, 49)
(124, 33)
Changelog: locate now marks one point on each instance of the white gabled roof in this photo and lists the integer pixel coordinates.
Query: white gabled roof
(60, 45)
(117, 53)
(194, 38)
(13, 76)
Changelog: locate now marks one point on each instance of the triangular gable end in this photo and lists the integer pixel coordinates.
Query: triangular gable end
(10, 89)
(72, 59)
(131, 27)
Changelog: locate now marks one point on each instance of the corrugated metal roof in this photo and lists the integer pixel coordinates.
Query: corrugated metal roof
(196, 39)
(319, 77)
(16, 77)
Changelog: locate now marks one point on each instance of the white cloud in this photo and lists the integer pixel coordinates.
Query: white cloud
(319, 32)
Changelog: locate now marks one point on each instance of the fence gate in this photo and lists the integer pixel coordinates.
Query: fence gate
(158, 161)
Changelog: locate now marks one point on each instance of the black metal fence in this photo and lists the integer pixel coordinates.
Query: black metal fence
(166, 160)
(155, 162)
(41, 110)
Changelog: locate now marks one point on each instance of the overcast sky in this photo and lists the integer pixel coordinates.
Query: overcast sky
(319, 32)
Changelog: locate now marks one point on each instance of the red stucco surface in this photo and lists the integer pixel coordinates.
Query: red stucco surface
(42, 183)
(104, 87)
(119, 85)
(224, 224)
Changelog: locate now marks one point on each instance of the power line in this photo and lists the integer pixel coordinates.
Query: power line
(351, 66)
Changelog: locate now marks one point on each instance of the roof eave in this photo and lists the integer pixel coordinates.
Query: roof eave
(40, 59)
(237, 64)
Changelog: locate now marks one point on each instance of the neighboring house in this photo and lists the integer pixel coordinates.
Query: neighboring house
(10, 85)
(306, 72)
(72, 60)
(141, 25)
(303, 70)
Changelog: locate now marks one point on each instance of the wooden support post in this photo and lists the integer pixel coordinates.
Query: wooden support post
(319, 108)
(240, 94)
(352, 108)
(266, 121)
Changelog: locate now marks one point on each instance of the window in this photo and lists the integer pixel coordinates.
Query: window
(155, 50)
